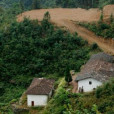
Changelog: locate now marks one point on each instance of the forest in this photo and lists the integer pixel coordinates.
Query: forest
(28, 4)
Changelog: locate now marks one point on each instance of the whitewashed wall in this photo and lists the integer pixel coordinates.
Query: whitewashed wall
(86, 86)
(39, 100)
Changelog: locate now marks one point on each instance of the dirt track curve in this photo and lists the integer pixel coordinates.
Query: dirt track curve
(66, 17)
(106, 45)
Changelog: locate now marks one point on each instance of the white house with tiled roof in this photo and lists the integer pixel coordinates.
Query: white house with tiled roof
(39, 91)
(99, 69)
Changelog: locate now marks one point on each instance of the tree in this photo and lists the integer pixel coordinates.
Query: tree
(68, 77)
(1, 10)
(36, 4)
(111, 18)
(47, 16)
(21, 5)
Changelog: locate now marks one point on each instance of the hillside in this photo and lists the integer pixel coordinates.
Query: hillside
(36, 49)
(99, 101)
(66, 17)
(46, 48)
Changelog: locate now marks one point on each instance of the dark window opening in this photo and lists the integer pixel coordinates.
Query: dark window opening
(90, 82)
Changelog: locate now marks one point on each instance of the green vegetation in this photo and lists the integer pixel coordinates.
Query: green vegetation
(36, 4)
(97, 102)
(28, 4)
(47, 16)
(8, 16)
(102, 3)
(68, 77)
(101, 28)
(39, 49)
(94, 46)
(36, 49)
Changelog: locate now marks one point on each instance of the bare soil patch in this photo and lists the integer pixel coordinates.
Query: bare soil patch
(65, 17)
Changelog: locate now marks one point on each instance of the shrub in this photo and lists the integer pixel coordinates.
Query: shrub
(94, 46)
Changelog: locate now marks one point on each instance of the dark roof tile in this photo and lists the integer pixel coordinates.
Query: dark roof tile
(100, 67)
(40, 86)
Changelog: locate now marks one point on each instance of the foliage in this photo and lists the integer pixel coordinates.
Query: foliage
(94, 46)
(101, 28)
(21, 5)
(59, 3)
(102, 3)
(33, 49)
(8, 16)
(88, 103)
(36, 4)
(68, 77)
(50, 49)
(47, 16)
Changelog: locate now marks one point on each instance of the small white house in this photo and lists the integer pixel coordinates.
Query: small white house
(99, 69)
(39, 92)
(88, 84)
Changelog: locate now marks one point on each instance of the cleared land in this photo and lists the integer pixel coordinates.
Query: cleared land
(66, 17)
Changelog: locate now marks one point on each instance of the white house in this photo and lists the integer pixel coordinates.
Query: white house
(39, 92)
(88, 84)
(99, 69)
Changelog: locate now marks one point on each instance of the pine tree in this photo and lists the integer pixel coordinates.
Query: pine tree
(36, 4)
(68, 77)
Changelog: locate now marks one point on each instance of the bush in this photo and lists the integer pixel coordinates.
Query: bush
(101, 28)
(94, 46)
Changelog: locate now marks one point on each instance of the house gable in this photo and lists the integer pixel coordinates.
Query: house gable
(88, 84)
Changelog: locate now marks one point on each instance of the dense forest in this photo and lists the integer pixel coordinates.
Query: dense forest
(28, 4)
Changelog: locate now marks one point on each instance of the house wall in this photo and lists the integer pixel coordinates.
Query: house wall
(39, 100)
(86, 86)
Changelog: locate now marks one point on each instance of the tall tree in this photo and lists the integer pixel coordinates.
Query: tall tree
(68, 77)
(36, 4)
(21, 5)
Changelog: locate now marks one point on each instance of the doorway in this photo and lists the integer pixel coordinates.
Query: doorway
(32, 103)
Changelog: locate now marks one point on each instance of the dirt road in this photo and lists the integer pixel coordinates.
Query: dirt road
(74, 85)
(106, 45)
(65, 17)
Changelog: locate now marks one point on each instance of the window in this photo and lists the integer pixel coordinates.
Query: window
(90, 82)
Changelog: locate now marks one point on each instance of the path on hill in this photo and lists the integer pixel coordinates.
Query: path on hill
(63, 17)
(106, 46)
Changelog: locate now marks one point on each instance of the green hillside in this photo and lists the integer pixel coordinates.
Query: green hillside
(30, 49)
(40, 49)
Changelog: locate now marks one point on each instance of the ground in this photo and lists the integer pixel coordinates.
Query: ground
(74, 84)
(68, 18)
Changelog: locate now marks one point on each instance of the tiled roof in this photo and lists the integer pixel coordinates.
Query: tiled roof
(100, 67)
(40, 86)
